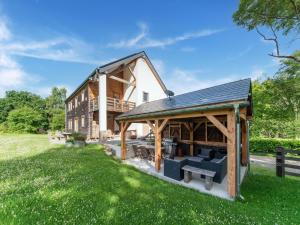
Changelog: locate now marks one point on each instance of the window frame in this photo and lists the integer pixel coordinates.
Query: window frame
(82, 121)
(145, 94)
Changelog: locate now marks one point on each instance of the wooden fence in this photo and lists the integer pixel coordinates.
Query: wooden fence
(282, 164)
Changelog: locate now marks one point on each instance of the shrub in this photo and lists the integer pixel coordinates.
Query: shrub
(269, 145)
(24, 120)
(78, 136)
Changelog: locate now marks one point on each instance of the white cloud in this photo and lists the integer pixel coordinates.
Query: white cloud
(182, 81)
(240, 54)
(46, 90)
(142, 39)
(4, 31)
(132, 41)
(13, 76)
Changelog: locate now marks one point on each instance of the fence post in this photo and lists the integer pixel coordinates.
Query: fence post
(280, 160)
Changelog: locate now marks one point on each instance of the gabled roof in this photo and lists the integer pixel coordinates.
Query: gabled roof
(115, 64)
(225, 93)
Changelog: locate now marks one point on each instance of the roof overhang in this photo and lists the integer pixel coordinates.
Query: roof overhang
(190, 110)
(109, 67)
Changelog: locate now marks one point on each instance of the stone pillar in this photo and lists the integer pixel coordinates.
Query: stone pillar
(102, 104)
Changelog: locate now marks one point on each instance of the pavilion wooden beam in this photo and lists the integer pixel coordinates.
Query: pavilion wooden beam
(231, 155)
(187, 126)
(162, 125)
(124, 127)
(150, 125)
(184, 115)
(244, 143)
(157, 146)
(191, 130)
(218, 124)
(198, 125)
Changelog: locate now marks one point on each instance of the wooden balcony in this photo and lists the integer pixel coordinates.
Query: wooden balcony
(94, 106)
(113, 104)
(117, 105)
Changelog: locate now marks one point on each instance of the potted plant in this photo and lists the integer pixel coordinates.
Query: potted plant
(78, 139)
(70, 142)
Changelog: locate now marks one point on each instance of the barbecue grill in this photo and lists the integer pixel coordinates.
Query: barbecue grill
(170, 145)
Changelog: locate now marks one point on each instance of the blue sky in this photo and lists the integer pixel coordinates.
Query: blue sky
(193, 44)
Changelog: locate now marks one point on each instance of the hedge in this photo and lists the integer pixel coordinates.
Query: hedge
(268, 145)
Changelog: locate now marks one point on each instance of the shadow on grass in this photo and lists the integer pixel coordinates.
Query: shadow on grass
(84, 186)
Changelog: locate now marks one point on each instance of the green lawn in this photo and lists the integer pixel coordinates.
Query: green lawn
(50, 184)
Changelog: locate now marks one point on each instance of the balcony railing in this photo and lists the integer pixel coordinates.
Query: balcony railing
(94, 106)
(117, 105)
(113, 104)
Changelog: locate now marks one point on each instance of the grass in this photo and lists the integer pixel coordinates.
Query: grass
(42, 183)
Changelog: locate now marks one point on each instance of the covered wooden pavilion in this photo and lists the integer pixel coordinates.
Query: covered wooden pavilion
(227, 107)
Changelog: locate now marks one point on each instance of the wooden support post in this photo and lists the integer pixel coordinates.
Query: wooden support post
(231, 155)
(280, 161)
(157, 146)
(124, 127)
(191, 125)
(244, 143)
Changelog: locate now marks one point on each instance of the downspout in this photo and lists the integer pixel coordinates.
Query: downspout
(248, 147)
(238, 148)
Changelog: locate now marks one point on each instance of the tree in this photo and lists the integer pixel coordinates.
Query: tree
(57, 98)
(57, 121)
(56, 108)
(278, 16)
(24, 120)
(18, 99)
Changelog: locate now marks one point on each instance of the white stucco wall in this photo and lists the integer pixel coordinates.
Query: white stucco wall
(145, 82)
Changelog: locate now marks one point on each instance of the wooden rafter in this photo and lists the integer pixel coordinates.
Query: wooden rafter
(150, 125)
(122, 80)
(131, 72)
(218, 124)
(163, 124)
(198, 125)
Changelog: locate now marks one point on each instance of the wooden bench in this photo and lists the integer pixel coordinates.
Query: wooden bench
(209, 175)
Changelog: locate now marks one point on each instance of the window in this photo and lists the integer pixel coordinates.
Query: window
(82, 95)
(70, 106)
(145, 96)
(82, 121)
(76, 125)
(76, 102)
(70, 124)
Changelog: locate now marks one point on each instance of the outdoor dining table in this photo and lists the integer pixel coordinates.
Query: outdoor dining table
(150, 147)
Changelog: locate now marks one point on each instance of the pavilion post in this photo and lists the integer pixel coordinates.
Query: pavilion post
(231, 155)
(191, 130)
(157, 133)
(124, 127)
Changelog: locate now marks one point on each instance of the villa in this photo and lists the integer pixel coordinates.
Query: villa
(197, 139)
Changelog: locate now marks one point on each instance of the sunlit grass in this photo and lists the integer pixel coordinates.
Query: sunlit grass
(42, 183)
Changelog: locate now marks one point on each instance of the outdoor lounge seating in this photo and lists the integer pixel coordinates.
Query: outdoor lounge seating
(206, 153)
(173, 168)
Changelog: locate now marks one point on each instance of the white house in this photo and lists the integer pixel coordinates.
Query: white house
(110, 90)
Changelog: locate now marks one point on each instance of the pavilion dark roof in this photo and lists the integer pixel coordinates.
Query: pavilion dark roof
(224, 93)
